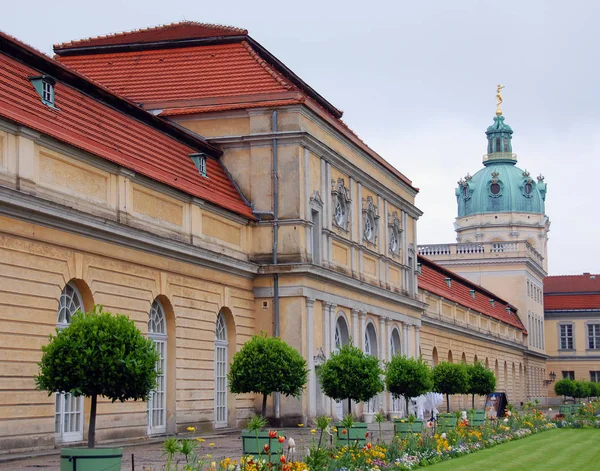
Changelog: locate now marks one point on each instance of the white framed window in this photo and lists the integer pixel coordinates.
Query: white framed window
(199, 160)
(68, 417)
(566, 336)
(593, 331)
(595, 376)
(157, 401)
(221, 359)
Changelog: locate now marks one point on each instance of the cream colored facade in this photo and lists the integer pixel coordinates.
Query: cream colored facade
(579, 362)
(451, 332)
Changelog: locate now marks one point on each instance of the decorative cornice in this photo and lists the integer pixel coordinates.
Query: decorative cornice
(35, 210)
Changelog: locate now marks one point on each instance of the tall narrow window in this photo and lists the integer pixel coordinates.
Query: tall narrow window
(566, 336)
(593, 336)
(221, 357)
(371, 349)
(68, 418)
(316, 237)
(157, 401)
(595, 376)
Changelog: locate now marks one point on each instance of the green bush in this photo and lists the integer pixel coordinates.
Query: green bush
(481, 381)
(594, 389)
(351, 374)
(565, 387)
(99, 354)
(408, 377)
(450, 378)
(582, 389)
(265, 365)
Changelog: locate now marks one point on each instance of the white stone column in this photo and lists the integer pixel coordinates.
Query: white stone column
(417, 341)
(326, 327)
(355, 327)
(384, 348)
(363, 327)
(312, 399)
(332, 320)
(407, 351)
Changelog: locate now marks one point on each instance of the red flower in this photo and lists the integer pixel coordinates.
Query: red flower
(367, 435)
(266, 447)
(272, 433)
(287, 467)
(344, 431)
(281, 439)
(369, 446)
(282, 459)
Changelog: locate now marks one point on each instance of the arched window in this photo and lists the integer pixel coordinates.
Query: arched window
(68, 418)
(221, 356)
(434, 356)
(341, 333)
(395, 346)
(450, 359)
(157, 401)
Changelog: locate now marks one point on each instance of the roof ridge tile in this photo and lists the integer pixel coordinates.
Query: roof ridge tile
(265, 65)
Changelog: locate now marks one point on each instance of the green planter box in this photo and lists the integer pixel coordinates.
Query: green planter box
(477, 418)
(253, 447)
(355, 435)
(446, 422)
(91, 459)
(403, 429)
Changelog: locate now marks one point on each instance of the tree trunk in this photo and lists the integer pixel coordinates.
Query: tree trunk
(473, 401)
(448, 403)
(349, 407)
(264, 406)
(92, 429)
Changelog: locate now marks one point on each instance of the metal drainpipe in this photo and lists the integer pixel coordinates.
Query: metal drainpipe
(275, 240)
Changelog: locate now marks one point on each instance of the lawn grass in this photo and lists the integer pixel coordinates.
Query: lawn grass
(560, 449)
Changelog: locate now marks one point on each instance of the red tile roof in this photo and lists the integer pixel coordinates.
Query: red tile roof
(433, 279)
(228, 107)
(181, 74)
(171, 32)
(571, 302)
(105, 131)
(177, 75)
(572, 292)
(586, 283)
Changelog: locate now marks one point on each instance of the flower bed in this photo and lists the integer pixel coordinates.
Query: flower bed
(579, 416)
(402, 453)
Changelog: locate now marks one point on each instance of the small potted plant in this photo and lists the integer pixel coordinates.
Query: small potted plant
(98, 354)
(260, 443)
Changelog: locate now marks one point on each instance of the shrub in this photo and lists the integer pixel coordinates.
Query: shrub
(351, 374)
(582, 389)
(450, 378)
(565, 387)
(408, 377)
(265, 365)
(99, 354)
(481, 380)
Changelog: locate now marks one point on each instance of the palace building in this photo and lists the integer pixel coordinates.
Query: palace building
(186, 177)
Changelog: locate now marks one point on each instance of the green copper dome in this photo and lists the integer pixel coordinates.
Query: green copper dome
(500, 186)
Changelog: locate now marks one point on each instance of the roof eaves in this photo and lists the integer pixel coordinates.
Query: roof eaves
(37, 60)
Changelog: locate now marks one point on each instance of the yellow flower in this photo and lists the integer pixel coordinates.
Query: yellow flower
(402, 421)
(201, 440)
(300, 425)
(211, 444)
(191, 429)
(209, 456)
(335, 429)
(313, 431)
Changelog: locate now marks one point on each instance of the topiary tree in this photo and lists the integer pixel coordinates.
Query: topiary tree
(265, 365)
(450, 378)
(582, 389)
(99, 354)
(594, 389)
(408, 377)
(481, 381)
(351, 374)
(565, 387)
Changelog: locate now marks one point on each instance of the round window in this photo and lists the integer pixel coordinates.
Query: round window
(495, 188)
(528, 188)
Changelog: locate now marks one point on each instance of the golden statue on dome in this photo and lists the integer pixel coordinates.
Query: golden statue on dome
(499, 99)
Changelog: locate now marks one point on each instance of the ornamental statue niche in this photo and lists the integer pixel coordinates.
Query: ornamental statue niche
(341, 204)
(370, 218)
(395, 232)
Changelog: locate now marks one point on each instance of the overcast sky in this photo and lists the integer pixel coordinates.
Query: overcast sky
(417, 81)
